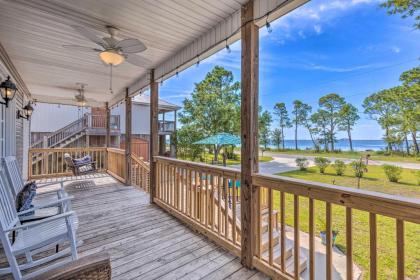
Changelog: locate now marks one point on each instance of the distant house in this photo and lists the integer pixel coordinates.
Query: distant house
(71, 126)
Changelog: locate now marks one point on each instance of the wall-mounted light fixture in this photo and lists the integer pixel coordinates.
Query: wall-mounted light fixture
(26, 112)
(7, 90)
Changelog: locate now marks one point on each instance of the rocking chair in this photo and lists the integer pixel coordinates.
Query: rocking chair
(33, 237)
(80, 166)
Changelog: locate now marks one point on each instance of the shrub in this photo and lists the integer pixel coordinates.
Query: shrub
(392, 172)
(339, 167)
(359, 168)
(322, 163)
(418, 177)
(302, 163)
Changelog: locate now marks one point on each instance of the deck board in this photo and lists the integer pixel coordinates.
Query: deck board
(143, 240)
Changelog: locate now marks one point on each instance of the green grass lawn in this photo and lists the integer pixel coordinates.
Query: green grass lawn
(374, 180)
(208, 158)
(351, 155)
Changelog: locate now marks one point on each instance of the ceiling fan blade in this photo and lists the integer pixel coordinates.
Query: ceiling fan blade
(81, 48)
(131, 46)
(89, 35)
(138, 60)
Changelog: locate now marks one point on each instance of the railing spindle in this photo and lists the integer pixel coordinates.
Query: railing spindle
(329, 242)
(270, 226)
(283, 232)
(296, 236)
(311, 240)
(349, 244)
(400, 250)
(373, 247)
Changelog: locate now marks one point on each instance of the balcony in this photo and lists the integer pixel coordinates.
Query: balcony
(166, 127)
(207, 199)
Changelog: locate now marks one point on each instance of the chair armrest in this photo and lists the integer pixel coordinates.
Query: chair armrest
(84, 164)
(43, 221)
(49, 204)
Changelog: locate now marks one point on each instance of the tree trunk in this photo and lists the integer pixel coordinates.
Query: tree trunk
(387, 139)
(216, 153)
(282, 137)
(407, 146)
(296, 126)
(416, 145)
(350, 141)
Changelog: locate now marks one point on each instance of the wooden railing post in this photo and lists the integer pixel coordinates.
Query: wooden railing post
(249, 131)
(153, 147)
(108, 125)
(127, 138)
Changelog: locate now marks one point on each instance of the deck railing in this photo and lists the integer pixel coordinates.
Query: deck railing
(204, 196)
(140, 173)
(49, 162)
(196, 194)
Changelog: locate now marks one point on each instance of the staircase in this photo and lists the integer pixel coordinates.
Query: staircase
(289, 244)
(276, 244)
(66, 135)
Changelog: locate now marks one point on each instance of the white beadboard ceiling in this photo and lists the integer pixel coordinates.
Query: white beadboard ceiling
(174, 31)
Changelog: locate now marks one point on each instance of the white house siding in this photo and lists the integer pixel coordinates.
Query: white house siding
(14, 133)
(140, 118)
(51, 117)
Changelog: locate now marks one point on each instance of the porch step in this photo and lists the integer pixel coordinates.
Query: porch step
(290, 264)
(265, 240)
(277, 251)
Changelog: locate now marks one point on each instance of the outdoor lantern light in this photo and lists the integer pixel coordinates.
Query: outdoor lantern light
(27, 112)
(111, 57)
(8, 90)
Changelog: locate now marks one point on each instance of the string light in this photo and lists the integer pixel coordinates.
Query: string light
(227, 47)
(268, 25)
(198, 61)
(177, 74)
(161, 82)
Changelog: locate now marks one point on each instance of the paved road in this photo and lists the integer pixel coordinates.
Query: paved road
(347, 160)
(286, 162)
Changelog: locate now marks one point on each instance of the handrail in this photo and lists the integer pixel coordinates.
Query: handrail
(50, 162)
(87, 121)
(277, 239)
(393, 206)
(140, 173)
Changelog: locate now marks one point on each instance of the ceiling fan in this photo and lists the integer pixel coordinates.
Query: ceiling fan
(80, 98)
(111, 51)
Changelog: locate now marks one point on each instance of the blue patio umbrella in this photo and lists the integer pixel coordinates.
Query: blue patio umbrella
(219, 140)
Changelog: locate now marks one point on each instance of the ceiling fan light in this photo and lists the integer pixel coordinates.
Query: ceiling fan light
(111, 57)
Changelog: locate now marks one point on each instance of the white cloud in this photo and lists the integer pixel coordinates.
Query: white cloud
(313, 16)
(395, 49)
(318, 29)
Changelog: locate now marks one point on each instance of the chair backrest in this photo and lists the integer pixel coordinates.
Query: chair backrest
(14, 176)
(68, 160)
(8, 214)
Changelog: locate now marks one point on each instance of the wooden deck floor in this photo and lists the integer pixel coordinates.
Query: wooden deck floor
(143, 240)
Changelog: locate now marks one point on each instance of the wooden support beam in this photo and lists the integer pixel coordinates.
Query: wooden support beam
(108, 125)
(154, 133)
(249, 131)
(128, 133)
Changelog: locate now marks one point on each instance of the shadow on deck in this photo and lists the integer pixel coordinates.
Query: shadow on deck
(144, 242)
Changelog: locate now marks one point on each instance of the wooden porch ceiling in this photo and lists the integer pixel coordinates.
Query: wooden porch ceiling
(175, 33)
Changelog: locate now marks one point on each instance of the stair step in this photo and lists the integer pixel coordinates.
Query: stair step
(277, 251)
(290, 264)
(265, 240)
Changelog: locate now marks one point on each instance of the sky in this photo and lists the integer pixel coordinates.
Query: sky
(349, 47)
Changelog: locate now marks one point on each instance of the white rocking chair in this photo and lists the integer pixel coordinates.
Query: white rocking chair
(15, 179)
(34, 237)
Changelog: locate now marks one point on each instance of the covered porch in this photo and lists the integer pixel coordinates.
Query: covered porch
(168, 218)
